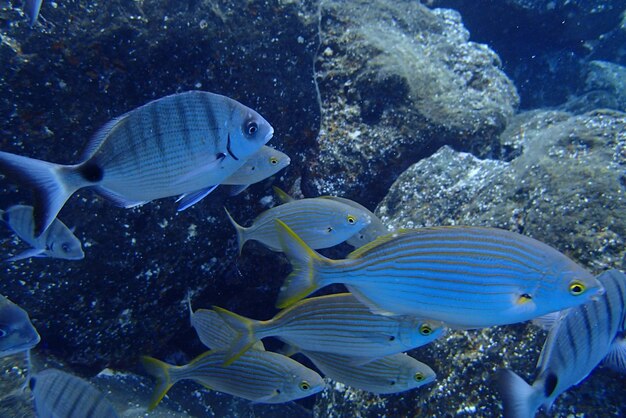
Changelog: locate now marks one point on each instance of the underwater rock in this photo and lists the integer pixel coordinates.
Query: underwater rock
(397, 81)
(609, 78)
(563, 184)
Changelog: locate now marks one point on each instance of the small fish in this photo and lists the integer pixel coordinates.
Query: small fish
(391, 374)
(579, 341)
(58, 241)
(465, 277)
(259, 376)
(31, 8)
(184, 144)
(322, 223)
(375, 229)
(265, 163)
(59, 395)
(17, 333)
(335, 324)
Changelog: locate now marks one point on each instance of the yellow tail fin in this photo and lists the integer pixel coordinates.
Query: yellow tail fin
(161, 372)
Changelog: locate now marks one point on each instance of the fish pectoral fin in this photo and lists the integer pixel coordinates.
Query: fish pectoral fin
(548, 321)
(207, 168)
(119, 200)
(361, 361)
(32, 252)
(189, 199)
(616, 357)
(375, 309)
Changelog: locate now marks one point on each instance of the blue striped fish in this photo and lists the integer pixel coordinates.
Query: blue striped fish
(375, 229)
(335, 324)
(579, 341)
(184, 144)
(321, 223)
(58, 241)
(466, 277)
(17, 333)
(259, 376)
(391, 374)
(61, 395)
(265, 163)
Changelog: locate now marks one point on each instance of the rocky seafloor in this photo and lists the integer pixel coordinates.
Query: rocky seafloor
(390, 103)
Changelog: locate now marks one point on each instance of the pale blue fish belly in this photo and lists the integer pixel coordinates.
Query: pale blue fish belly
(58, 241)
(321, 222)
(259, 376)
(17, 333)
(336, 324)
(391, 374)
(59, 394)
(577, 343)
(467, 277)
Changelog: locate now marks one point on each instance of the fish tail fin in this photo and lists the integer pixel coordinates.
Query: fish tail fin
(519, 399)
(304, 279)
(241, 231)
(48, 181)
(246, 335)
(161, 372)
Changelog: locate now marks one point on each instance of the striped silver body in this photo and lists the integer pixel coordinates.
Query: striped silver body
(59, 394)
(58, 241)
(17, 333)
(321, 223)
(581, 339)
(467, 277)
(391, 374)
(264, 163)
(177, 144)
(341, 324)
(375, 229)
(260, 376)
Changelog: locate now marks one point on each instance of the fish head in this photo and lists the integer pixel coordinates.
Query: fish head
(417, 374)
(247, 132)
(416, 332)
(17, 334)
(403, 372)
(302, 382)
(276, 161)
(65, 245)
(350, 219)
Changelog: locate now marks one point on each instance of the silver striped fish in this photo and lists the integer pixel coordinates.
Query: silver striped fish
(62, 395)
(259, 376)
(184, 144)
(335, 324)
(17, 333)
(467, 277)
(58, 241)
(322, 223)
(265, 163)
(579, 341)
(391, 374)
(375, 229)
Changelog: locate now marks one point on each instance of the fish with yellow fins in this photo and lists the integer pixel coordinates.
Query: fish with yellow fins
(337, 324)
(184, 144)
(465, 277)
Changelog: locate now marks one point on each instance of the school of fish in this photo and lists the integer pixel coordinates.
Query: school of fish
(406, 287)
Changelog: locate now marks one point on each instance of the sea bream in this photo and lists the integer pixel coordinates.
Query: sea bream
(581, 338)
(465, 277)
(58, 241)
(337, 324)
(183, 144)
(17, 333)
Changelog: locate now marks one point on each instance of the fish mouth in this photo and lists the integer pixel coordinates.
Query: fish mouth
(230, 152)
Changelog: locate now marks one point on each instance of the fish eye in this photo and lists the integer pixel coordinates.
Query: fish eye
(304, 385)
(351, 219)
(251, 128)
(273, 160)
(576, 288)
(425, 329)
(419, 377)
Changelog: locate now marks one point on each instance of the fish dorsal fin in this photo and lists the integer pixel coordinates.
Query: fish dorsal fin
(282, 195)
(359, 252)
(96, 140)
